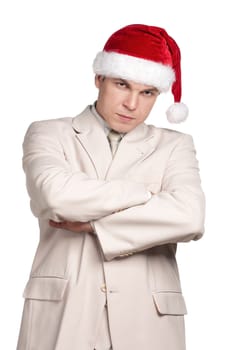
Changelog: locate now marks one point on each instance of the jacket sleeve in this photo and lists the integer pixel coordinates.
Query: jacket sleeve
(175, 214)
(59, 193)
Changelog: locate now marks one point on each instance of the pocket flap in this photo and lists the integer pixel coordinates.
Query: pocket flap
(45, 288)
(169, 303)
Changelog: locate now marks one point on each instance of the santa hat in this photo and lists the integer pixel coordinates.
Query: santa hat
(146, 55)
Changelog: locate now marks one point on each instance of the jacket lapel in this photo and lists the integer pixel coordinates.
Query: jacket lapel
(135, 146)
(93, 139)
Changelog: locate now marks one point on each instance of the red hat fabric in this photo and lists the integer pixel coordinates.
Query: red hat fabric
(147, 55)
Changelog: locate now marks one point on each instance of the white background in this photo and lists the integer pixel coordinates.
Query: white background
(47, 49)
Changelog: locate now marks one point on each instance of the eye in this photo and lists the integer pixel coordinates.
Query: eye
(121, 84)
(152, 92)
(148, 93)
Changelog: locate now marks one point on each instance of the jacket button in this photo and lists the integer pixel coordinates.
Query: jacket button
(103, 288)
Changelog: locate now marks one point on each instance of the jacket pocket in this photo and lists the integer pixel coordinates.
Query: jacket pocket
(169, 303)
(45, 288)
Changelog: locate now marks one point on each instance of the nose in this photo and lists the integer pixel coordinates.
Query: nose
(131, 101)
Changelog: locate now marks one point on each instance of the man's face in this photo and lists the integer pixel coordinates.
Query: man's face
(124, 104)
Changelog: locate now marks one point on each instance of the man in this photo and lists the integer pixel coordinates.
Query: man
(113, 197)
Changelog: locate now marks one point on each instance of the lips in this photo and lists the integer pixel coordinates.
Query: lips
(125, 117)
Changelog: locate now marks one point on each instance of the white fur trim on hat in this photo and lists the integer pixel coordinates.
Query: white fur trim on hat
(139, 70)
(177, 113)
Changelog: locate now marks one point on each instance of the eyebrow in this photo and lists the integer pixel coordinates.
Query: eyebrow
(151, 89)
(129, 85)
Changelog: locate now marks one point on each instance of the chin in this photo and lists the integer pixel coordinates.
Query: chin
(122, 127)
(125, 130)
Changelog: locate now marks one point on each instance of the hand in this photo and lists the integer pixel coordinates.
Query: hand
(76, 226)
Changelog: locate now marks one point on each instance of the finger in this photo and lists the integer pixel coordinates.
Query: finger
(57, 224)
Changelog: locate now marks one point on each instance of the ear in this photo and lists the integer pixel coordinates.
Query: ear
(98, 79)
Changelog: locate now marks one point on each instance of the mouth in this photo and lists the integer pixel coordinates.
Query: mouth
(125, 117)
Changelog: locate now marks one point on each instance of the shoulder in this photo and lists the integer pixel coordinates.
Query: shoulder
(169, 135)
(46, 134)
(48, 125)
(57, 125)
(49, 133)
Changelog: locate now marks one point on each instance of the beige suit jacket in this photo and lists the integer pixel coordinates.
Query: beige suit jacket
(70, 175)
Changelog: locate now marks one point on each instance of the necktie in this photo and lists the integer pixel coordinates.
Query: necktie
(114, 139)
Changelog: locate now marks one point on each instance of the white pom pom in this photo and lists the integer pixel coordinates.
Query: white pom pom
(177, 113)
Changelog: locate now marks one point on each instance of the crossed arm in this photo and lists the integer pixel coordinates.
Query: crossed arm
(59, 193)
(125, 217)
